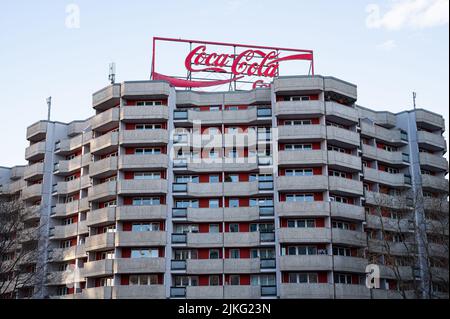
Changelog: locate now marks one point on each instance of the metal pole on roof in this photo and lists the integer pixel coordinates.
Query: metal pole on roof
(49, 107)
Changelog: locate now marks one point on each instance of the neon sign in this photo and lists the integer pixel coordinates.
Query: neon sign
(234, 64)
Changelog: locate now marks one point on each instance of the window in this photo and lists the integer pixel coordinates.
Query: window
(184, 254)
(147, 126)
(214, 254)
(337, 174)
(147, 175)
(146, 201)
(111, 203)
(339, 199)
(213, 154)
(301, 223)
(147, 151)
(336, 149)
(107, 255)
(262, 227)
(232, 153)
(341, 225)
(143, 280)
(263, 253)
(233, 202)
(299, 197)
(235, 253)
(299, 172)
(214, 108)
(183, 281)
(235, 280)
(214, 178)
(213, 203)
(214, 280)
(185, 228)
(232, 108)
(186, 179)
(232, 178)
(262, 280)
(342, 251)
(343, 279)
(298, 147)
(298, 122)
(261, 202)
(297, 98)
(148, 103)
(234, 228)
(144, 253)
(214, 228)
(192, 203)
(301, 250)
(145, 227)
(302, 278)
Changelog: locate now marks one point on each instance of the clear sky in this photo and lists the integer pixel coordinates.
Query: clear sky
(387, 47)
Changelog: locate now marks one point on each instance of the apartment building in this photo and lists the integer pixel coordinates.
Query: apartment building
(281, 192)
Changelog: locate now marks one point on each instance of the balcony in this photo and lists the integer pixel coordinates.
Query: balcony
(349, 237)
(37, 131)
(156, 212)
(352, 291)
(131, 162)
(203, 117)
(240, 116)
(34, 171)
(199, 214)
(67, 209)
(204, 189)
(242, 292)
(305, 263)
(145, 89)
(141, 187)
(105, 144)
(60, 278)
(342, 114)
(345, 186)
(350, 264)
(302, 183)
(429, 120)
(98, 268)
(201, 292)
(394, 248)
(199, 240)
(65, 231)
(434, 183)
(436, 204)
(433, 162)
(69, 145)
(240, 164)
(144, 137)
(292, 109)
(241, 188)
(106, 121)
(304, 235)
(103, 168)
(100, 242)
(17, 172)
(394, 180)
(73, 185)
(32, 192)
(106, 97)
(388, 224)
(303, 209)
(246, 239)
(102, 191)
(241, 265)
(379, 154)
(102, 216)
(139, 292)
(393, 137)
(140, 239)
(343, 137)
(144, 113)
(297, 133)
(297, 158)
(137, 265)
(396, 272)
(204, 266)
(241, 213)
(385, 200)
(35, 152)
(103, 292)
(347, 211)
(344, 162)
(306, 291)
(63, 254)
(66, 167)
(340, 87)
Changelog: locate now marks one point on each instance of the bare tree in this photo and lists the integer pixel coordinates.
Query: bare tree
(19, 254)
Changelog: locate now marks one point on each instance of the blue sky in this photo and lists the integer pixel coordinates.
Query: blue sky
(388, 48)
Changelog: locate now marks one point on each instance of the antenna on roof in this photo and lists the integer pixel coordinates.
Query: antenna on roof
(112, 72)
(414, 99)
(49, 106)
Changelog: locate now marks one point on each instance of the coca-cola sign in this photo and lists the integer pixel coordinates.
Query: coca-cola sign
(253, 65)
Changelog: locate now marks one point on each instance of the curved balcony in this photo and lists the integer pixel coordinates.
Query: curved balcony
(32, 192)
(137, 265)
(145, 89)
(69, 145)
(429, 120)
(347, 211)
(296, 133)
(102, 191)
(103, 168)
(102, 216)
(345, 186)
(67, 209)
(73, 185)
(349, 237)
(144, 137)
(131, 162)
(344, 162)
(140, 239)
(350, 264)
(37, 131)
(433, 162)
(103, 241)
(391, 158)
(103, 292)
(105, 121)
(34, 172)
(35, 152)
(305, 263)
(65, 231)
(388, 224)
(395, 248)
(139, 292)
(302, 183)
(377, 176)
(296, 158)
(304, 235)
(393, 137)
(343, 137)
(60, 278)
(98, 268)
(65, 254)
(141, 187)
(292, 109)
(105, 144)
(144, 113)
(352, 291)
(129, 212)
(340, 113)
(68, 167)
(240, 116)
(434, 183)
(303, 209)
(306, 291)
(106, 97)
(298, 83)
